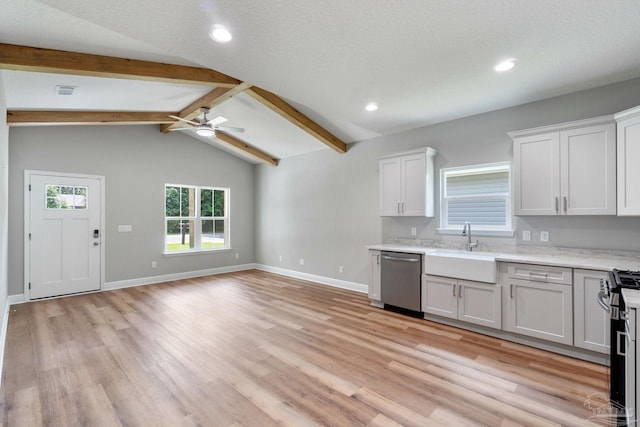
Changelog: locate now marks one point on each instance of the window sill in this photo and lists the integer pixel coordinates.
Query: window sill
(476, 232)
(196, 252)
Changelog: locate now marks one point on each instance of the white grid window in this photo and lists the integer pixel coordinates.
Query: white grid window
(479, 194)
(196, 218)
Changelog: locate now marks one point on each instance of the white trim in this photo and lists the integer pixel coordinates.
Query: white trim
(342, 284)
(3, 335)
(27, 223)
(16, 299)
(430, 152)
(176, 276)
(570, 125)
(486, 233)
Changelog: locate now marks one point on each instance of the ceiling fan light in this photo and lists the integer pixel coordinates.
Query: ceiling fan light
(205, 131)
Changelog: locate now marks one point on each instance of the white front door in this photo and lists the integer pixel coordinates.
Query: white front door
(64, 234)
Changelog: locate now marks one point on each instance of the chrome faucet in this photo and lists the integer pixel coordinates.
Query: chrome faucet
(466, 231)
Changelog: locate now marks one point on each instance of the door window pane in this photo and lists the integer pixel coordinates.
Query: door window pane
(62, 197)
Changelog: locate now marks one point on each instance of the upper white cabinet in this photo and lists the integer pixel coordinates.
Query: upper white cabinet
(407, 183)
(567, 169)
(628, 157)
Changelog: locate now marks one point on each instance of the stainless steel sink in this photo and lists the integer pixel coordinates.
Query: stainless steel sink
(476, 266)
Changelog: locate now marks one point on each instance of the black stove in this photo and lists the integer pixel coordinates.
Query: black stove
(626, 279)
(610, 299)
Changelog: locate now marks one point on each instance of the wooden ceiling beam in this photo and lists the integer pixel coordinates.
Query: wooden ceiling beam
(284, 109)
(246, 148)
(24, 58)
(31, 118)
(209, 100)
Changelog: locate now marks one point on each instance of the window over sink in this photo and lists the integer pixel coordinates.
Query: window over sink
(479, 194)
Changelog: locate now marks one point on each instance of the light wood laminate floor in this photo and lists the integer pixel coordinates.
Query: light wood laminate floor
(259, 349)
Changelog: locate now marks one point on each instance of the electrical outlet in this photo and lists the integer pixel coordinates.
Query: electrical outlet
(414, 231)
(153, 264)
(301, 261)
(526, 235)
(237, 255)
(340, 269)
(280, 258)
(544, 236)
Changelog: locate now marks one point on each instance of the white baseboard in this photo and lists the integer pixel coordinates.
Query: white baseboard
(176, 276)
(3, 334)
(15, 299)
(343, 284)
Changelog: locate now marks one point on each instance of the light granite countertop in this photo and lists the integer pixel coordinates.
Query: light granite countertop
(559, 257)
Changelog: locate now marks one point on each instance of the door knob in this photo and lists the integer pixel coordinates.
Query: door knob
(96, 243)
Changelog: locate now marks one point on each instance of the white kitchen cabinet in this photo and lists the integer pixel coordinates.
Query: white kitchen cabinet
(628, 123)
(374, 278)
(591, 322)
(537, 307)
(407, 183)
(473, 302)
(566, 169)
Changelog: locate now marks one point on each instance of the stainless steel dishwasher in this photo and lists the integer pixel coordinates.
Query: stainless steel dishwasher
(400, 280)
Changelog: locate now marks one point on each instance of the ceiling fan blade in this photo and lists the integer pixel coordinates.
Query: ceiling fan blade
(217, 121)
(231, 128)
(171, 130)
(185, 120)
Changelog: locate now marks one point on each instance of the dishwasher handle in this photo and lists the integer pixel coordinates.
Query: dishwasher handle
(393, 258)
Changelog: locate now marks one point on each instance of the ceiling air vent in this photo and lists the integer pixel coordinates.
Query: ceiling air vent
(65, 90)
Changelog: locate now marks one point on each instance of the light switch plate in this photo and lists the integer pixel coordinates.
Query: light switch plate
(544, 236)
(414, 231)
(125, 229)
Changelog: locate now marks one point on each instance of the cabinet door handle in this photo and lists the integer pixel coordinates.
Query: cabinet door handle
(556, 203)
(460, 291)
(511, 290)
(454, 289)
(564, 203)
(378, 256)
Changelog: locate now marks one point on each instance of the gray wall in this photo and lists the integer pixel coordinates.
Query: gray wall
(137, 161)
(323, 206)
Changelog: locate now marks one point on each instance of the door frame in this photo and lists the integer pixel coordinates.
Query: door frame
(27, 224)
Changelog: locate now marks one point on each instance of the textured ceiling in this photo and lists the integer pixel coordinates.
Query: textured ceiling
(422, 61)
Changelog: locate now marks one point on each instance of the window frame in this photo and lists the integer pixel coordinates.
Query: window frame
(197, 219)
(477, 229)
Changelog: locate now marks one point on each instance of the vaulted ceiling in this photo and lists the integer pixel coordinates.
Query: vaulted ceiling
(297, 74)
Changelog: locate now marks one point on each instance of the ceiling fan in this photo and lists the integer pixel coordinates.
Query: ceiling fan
(205, 127)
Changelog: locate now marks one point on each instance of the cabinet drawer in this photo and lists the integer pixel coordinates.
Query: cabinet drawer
(540, 273)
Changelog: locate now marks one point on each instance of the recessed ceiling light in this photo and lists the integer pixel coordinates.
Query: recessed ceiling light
(220, 34)
(505, 65)
(372, 106)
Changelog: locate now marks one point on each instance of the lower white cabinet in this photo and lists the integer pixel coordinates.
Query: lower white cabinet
(591, 322)
(536, 307)
(472, 302)
(374, 277)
